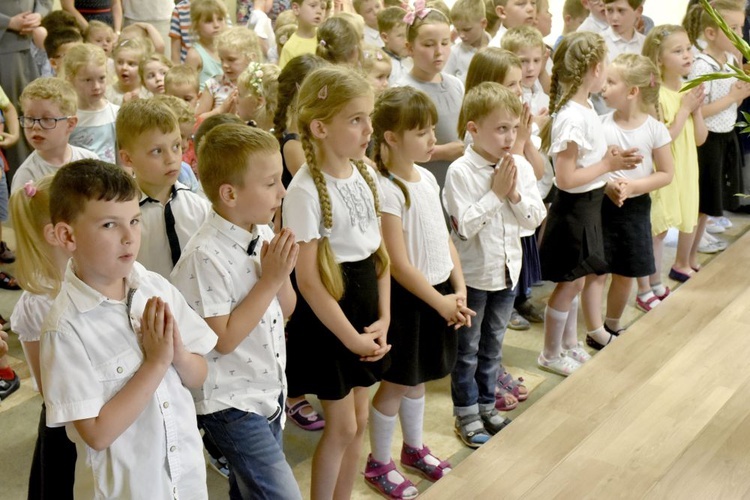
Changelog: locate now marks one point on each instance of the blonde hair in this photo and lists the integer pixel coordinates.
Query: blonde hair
(261, 80)
(224, 154)
(697, 19)
(82, 55)
(338, 40)
(140, 116)
(441, 7)
(357, 21)
(522, 37)
(241, 40)
(180, 74)
(155, 57)
(372, 55)
(204, 10)
(283, 33)
(57, 90)
(399, 110)
(652, 46)
(36, 270)
(323, 95)
(574, 9)
(490, 64)
(485, 98)
(639, 71)
(389, 18)
(180, 108)
(143, 46)
(285, 18)
(470, 11)
(94, 26)
(576, 55)
(434, 16)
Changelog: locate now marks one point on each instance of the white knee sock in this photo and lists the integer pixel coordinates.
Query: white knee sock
(381, 435)
(554, 324)
(570, 332)
(411, 414)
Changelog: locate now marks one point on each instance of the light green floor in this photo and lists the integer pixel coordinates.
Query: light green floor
(19, 414)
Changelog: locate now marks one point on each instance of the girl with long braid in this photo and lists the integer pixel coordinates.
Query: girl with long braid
(337, 334)
(572, 247)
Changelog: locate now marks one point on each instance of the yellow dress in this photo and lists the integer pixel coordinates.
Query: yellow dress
(676, 205)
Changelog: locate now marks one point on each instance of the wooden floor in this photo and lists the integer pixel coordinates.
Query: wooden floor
(663, 412)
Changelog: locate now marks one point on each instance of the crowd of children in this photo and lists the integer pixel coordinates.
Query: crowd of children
(210, 237)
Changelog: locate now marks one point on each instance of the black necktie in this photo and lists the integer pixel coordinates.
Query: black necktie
(251, 246)
(169, 223)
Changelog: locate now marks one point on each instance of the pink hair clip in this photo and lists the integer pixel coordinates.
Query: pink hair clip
(419, 11)
(379, 56)
(653, 80)
(30, 189)
(323, 93)
(322, 43)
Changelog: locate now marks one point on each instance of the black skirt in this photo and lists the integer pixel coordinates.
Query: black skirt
(317, 361)
(573, 246)
(531, 269)
(423, 345)
(627, 237)
(719, 173)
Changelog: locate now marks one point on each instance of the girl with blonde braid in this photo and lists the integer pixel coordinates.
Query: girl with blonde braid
(572, 247)
(337, 334)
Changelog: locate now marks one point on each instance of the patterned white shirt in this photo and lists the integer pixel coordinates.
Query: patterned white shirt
(215, 273)
(724, 120)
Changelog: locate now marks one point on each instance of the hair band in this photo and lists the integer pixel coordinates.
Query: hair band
(30, 189)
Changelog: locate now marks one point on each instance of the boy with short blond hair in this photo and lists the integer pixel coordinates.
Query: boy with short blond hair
(574, 14)
(470, 23)
(369, 10)
(513, 13)
(49, 108)
(148, 135)
(527, 43)
(120, 347)
(235, 273)
(621, 36)
(309, 13)
(186, 121)
(182, 81)
(393, 33)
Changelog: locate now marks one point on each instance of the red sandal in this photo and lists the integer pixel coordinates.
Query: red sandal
(376, 476)
(414, 459)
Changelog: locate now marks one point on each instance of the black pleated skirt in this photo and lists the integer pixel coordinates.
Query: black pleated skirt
(628, 247)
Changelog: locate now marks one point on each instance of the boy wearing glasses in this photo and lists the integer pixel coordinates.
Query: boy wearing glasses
(49, 108)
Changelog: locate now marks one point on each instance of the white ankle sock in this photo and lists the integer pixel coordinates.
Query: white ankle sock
(570, 332)
(411, 415)
(613, 323)
(554, 324)
(381, 435)
(658, 289)
(600, 335)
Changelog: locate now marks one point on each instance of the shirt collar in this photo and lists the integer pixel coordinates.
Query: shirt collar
(617, 38)
(239, 236)
(177, 186)
(477, 160)
(84, 297)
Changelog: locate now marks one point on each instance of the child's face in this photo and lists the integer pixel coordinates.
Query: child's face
(370, 11)
(185, 91)
(126, 67)
(513, 80)
(735, 20)
(260, 197)
(105, 239)
(348, 133)
(395, 40)
(156, 159)
(378, 76)
(596, 8)
(622, 17)
(186, 134)
(56, 60)
(90, 83)
(676, 56)
(47, 142)
(494, 134)
(104, 39)
(431, 47)
(544, 19)
(471, 32)
(517, 12)
(309, 13)
(233, 63)
(209, 28)
(615, 90)
(417, 145)
(153, 73)
(531, 64)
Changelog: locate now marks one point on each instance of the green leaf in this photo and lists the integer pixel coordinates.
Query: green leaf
(736, 40)
(705, 78)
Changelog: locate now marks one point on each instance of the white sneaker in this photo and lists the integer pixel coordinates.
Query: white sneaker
(562, 365)
(724, 221)
(578, 353)
(710, 244)
(713, 226)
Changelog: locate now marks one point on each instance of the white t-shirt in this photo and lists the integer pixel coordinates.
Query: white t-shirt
(263, 27)
(425, 234)
(372, 37)
(355, 234)
(461, 55)
(651, 134)
(581, 125)
(724, 120)
(536, 98)
(27, 319)
(34, 167)
(617, 45)
(96, 131)
(215, 274)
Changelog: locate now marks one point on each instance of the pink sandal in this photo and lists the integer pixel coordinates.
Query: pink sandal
(513, 386)
(376, 476)
(310, 422)
(413, 458)
(501, 402)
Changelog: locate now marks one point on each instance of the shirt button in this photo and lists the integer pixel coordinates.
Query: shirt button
(277, 354)
(119, 369)
(172, 448)
(166, 404)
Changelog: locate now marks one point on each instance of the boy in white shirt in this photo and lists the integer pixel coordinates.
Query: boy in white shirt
(489, 196)
(527, 43)
(119, 348)
(513, 13)
(235, 273)
(596, 21)
(148, 134)
(49, 107)
(393, 33)
(470, 22)
(621, 36)
(369, 10)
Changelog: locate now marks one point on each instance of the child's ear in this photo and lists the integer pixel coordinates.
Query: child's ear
(390, 138)
(125, 158)
(295, 8)
(318, 129)
(48, 231)
(500, 11)
(64, 235)
(384, 37)
(227, 195)
(72, 123)
(483, 22)
(471, 127)
(633, 92)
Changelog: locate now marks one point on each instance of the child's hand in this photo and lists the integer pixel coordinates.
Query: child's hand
(179, 348)
(230, 103)
(130, 96)
(380, 329)
(7, 140)
(693, 99)
(618, 191)
(524, 127)
(279, 256)
(504, 177)
(619, 159)
(3, 343)
(157, 332)
(740, 91)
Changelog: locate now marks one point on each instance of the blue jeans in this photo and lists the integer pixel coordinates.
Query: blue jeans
(253, 446)
(480, 346)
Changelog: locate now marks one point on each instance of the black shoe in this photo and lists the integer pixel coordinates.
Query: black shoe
(8, 387)
(6, 254)
(530, 312)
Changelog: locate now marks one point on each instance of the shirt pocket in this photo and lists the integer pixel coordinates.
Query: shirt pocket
(116, 371)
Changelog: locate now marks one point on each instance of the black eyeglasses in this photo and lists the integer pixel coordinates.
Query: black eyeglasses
(45, 123)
